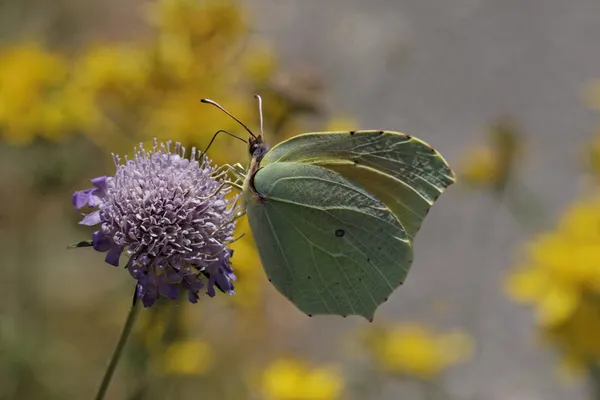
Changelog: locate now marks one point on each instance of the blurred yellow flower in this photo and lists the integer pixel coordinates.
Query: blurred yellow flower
(199, 19)
(412, 350)
(260, 66)
(561, 279)
(592, 156)
(591, 94)
(121, 93)
(190, 357)
(480, 166)
(340, 123)
(248, 269)
(491, 165)
(112, 67)
(292, 379)
(30, 78)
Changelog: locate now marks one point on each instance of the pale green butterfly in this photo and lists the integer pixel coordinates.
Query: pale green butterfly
(334, 214)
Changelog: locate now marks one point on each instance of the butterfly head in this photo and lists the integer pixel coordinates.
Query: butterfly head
(257, 147)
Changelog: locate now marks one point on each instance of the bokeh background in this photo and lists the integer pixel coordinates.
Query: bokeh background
(503, 301)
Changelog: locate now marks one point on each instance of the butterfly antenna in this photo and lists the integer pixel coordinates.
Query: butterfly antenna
(217, 134)
(214, 103)
(260, 113)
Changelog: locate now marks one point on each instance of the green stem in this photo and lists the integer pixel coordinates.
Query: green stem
(118, 350)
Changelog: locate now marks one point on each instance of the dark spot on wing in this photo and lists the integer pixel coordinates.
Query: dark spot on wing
(309, 277)
(360, 279)
(340, 232)
(378, 248)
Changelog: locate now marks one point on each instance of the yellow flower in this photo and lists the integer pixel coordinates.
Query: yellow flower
(480, 166)
(114, 67)
(561, 279)
(260, 65)
(411, 349)
(340, 123)
(248, 269)
(491, 166)
(117, 93)
(577, 339)
(204, 20)
(292, 379)
(191, 357)
(591, 94)
(592, 155)
(30, 78)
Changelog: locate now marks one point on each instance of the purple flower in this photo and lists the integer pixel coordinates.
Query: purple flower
(169, 214)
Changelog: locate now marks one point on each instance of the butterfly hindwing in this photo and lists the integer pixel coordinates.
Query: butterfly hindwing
(326, 243)
(402, 171)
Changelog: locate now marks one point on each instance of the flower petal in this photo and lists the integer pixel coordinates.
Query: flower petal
(100, 182)
(80, 198)
(91, 219)
(149, 297)
(557, 305)
(193, 297)
(95, 200)
(101, 242)
(113, 256)
(169, 291)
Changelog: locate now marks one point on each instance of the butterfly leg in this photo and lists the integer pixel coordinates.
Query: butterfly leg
(224, 247)
(237, 170)
(236, 185)
(216, 191)
(235, 217)
(236, 239)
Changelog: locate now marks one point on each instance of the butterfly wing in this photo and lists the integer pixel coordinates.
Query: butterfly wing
(326, 243)
(405, 173)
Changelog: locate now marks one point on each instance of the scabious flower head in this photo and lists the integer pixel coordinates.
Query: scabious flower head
(171, 216)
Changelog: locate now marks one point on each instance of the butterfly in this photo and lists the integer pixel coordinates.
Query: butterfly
(334, 214)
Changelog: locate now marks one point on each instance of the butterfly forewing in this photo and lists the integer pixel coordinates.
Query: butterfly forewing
(404, 172)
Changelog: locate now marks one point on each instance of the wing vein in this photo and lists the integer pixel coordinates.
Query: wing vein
(286, 260)
(342, 208)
